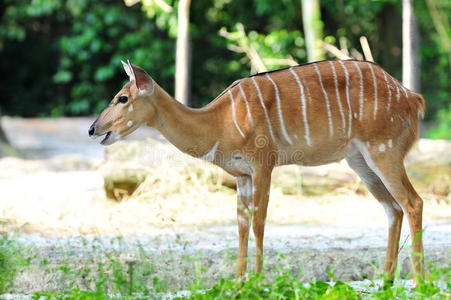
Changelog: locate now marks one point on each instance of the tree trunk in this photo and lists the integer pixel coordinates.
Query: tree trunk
(3, 138)
(313, 29)
(182, 60)
(410, 44)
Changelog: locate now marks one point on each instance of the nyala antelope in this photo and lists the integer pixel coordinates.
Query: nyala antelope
(309, 115)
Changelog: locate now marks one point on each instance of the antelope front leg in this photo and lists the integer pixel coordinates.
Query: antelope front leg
(261, 182)
(244, 192)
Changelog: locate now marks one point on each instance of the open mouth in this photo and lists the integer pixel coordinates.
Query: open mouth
(105, 139)
(110, 138)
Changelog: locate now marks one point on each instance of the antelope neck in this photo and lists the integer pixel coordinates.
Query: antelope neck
(190, 130)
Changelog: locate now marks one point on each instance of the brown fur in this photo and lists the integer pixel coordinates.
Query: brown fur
(248, 135)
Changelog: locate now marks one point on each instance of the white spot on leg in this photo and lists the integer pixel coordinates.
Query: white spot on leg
(381, 147)
(389, 212)
(243, 221)
(130, 123)
(130, 108)
(390, 143)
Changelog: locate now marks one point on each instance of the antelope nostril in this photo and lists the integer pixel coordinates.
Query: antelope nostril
(91, 130)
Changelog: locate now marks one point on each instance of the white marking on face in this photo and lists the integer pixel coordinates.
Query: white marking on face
(262, 103)
(326, 100)
(390, 143)
(130, 108)
(279, 110)
(389, 90)
(130, 123)
(381, 147)
(373, 76)
(303, 106)
(337, 95)
(234, 113)
(210, 155)
(391, 119)
(361, 99)
(347, 96)
(249, 115)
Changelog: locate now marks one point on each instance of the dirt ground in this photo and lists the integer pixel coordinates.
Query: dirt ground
(52, 200)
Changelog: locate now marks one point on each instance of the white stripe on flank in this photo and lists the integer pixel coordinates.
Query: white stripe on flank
(397, 89)
(326, 99)
(249, 115)
(303, 106)
(360, 90)
(347, 96)
(234, 113)
(279, 110)
(404, 90)
(375, 90)
(262, 103)
(337, 94)
(389, 90)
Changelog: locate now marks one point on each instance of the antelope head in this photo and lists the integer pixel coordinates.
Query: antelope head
(129, 109)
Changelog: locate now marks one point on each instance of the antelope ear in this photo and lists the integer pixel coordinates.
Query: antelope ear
(143, 81)
(128, 70)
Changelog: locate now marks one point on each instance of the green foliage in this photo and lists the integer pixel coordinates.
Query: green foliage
(63, 57)
(76, 49)
(443, 128)
(11, 262)
(285, 286)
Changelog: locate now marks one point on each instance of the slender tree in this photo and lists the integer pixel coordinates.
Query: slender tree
(410, 45)
(183, 55)
(3, 138)
(313, 29)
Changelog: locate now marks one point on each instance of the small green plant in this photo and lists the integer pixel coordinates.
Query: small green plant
(11, 262)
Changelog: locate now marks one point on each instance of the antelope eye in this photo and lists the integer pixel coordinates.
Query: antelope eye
(123, 99)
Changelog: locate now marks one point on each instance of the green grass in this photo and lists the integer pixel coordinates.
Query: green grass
(11, 262)
(284, 286)
(110, 272)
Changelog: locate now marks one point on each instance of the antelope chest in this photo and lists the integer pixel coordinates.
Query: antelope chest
(236, 165)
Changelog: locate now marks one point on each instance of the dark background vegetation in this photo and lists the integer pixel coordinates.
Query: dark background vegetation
(62, 57)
